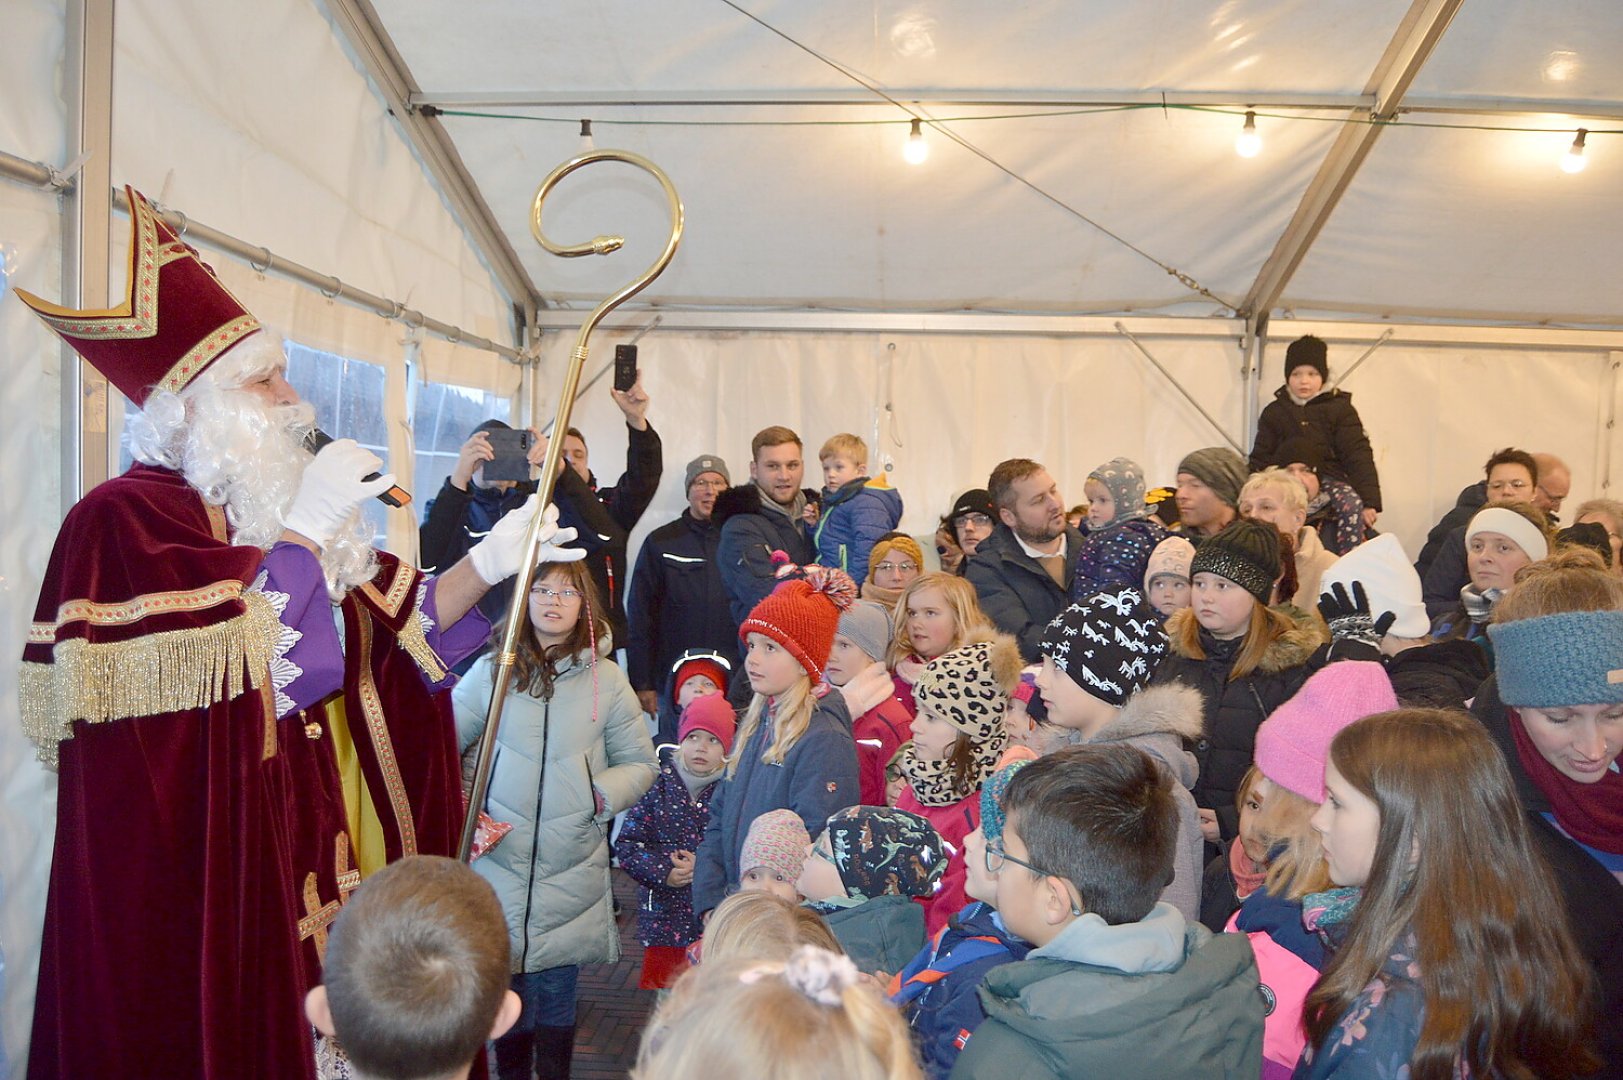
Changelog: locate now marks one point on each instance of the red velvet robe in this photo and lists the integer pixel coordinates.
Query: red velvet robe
(201, 850)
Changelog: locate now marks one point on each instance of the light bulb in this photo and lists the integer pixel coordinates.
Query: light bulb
(586, 143)
(1573, 161)
(1249, 143)
(915, 150)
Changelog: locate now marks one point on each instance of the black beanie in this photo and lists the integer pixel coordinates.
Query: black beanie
(1307, 351)
(1246, 553)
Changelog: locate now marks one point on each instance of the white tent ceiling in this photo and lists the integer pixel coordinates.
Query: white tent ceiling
(826, 215)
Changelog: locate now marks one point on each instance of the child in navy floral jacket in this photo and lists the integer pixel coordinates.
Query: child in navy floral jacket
(661, 833)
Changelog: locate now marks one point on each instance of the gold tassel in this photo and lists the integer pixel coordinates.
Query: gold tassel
(414, 640)
(165, 672)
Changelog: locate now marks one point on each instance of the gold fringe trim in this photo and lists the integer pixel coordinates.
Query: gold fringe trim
(159, 673)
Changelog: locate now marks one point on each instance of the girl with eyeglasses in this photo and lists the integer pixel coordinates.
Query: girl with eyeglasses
(573, 751)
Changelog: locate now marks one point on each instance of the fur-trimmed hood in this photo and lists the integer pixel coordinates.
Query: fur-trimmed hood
(1291, 649)
(740, 499)
(1158, 720)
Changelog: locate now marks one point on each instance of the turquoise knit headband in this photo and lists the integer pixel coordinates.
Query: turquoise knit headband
(1572, 658)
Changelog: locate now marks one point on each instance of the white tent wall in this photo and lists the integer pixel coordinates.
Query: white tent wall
(964, 402)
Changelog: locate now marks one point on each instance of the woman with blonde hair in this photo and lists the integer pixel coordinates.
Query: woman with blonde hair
(810, 1017)
(1279, 498)
(935, 614)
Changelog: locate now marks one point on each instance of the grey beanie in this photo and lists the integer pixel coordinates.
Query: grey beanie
(1124, 479)
(1220, 469)
(867, 624)
(702, 464)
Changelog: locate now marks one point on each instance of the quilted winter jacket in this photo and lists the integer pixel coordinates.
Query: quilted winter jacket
(852, 519)
(1160, 720)
(1235, 708)
(1196, 1016)
(1330, 419)
(677, 601)
(665, 820)
(552, 871)
(816, 777)
(1115, 556)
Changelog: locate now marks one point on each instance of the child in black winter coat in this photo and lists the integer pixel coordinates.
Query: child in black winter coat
(1302, 407)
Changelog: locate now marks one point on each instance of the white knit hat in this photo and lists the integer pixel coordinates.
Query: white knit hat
(1389, 580)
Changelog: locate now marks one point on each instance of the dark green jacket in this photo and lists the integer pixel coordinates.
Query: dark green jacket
(1196, 1016)
(881, 934)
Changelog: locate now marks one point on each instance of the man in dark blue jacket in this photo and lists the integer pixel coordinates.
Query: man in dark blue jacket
(764, 516)
(678, 601)
(1022, 572)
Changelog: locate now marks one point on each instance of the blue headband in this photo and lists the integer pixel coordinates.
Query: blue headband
(1571, 658)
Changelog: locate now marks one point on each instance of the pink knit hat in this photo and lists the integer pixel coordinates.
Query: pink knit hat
(1294, 743)
(709, 713)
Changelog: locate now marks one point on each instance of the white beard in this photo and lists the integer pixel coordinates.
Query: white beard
(248, 457)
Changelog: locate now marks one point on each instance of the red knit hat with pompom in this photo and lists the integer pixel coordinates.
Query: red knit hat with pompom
(803, 613)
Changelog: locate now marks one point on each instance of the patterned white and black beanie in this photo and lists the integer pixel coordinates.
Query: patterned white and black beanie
(1108, 644)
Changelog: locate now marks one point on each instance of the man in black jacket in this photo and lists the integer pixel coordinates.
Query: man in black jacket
(764, 516)
(466, 507)
(678, 601)
(1022, 572)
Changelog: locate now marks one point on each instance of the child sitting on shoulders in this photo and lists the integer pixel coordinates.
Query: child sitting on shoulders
(856, 666)
(856, 509)
(938, 990)
(1121, 530)
(415, 977)
(864, 874)
(661, 833)
(1117, 984)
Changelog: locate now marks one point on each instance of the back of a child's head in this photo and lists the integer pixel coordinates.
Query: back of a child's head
(1103, 818)
(808, 1017)
(416, 969)
(851, 447)
(759, 926)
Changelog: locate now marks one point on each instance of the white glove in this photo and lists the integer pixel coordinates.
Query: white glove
(501, 553)
(332, 488)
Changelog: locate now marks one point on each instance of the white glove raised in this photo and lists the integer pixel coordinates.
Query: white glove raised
(501, 553)
(332, 488)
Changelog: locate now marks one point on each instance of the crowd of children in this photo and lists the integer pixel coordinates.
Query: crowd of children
(1237, 821)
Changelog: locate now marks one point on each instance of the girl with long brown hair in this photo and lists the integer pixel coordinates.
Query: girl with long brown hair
(572, 752)
(1452, 952)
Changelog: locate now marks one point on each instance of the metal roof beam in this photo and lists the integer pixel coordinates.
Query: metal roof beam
(1405, 55)
(358, 21)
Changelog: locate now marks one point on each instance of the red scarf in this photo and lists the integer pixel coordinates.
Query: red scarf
(1591, 814)
(1247, 879)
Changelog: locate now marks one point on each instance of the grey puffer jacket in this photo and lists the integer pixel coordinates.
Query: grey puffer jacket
(552, 871)
(1158, 720)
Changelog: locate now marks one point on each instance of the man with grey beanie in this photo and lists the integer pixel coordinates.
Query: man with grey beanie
(1209, 483)
(678, 601)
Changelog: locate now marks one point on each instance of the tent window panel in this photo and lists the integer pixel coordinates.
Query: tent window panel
(445, 416)
(349, 399)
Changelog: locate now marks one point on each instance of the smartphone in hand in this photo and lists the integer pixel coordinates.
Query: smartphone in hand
(625, 367)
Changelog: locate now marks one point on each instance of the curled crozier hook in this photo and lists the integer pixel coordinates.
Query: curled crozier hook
(601, 245)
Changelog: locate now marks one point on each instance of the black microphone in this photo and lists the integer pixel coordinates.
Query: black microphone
(395, 496)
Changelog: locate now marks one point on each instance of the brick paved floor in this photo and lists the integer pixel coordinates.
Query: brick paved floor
(611, 1011)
